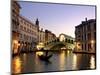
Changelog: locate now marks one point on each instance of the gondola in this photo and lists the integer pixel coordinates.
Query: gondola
(45, 58)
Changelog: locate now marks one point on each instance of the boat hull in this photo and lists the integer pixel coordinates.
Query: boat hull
(42, 57)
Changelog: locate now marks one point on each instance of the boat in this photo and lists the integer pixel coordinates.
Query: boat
(43, 54)
(45, 58)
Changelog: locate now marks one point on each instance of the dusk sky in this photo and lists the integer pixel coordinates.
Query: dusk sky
(58, 18)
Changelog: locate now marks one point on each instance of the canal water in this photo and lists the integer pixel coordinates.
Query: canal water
(60, 61)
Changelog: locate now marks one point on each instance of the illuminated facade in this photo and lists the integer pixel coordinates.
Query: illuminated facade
(28, 34)
(24, 32)
(69, 41)
(85, 36)
(15, 25)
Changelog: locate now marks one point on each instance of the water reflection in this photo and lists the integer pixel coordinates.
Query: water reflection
(68, 52)
(24, 59)
(60, 61)
(16, 65)
(38, 62)
(92, 62)
(74, 65)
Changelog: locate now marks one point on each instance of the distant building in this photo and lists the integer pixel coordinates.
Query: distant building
(85, 36)
(69, 41)
(15, 25)
(49, 36)
(41, 36)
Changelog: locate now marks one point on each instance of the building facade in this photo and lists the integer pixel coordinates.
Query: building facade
(41, 36)
(15, 9)
(85, 36)
(24, 32)
(49, 36)
(28, 34)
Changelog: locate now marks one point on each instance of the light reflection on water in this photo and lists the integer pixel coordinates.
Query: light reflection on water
(74, 61)
(16, 65)
(64, 60)
(92, 62)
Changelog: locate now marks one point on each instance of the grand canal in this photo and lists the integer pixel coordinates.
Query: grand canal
(60, 61)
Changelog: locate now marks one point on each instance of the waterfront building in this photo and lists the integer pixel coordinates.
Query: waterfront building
(15, 9)
(85, 36)
(28, 34)
(24, 32)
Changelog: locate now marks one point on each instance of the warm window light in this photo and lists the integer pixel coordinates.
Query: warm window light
(41, 43)
(92, 41)
(19, 44)
(78, 45)
(15, 41)
(15, 46)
